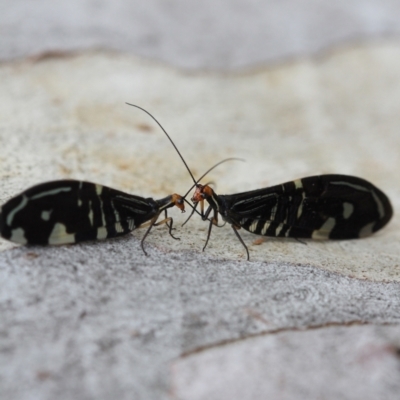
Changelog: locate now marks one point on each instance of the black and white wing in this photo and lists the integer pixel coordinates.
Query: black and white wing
(317, 207)
(70, 211)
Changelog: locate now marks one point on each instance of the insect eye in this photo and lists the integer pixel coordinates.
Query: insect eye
(203, 195)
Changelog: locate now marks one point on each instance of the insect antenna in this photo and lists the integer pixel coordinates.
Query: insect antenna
(209, 170)
(169, 138)
(180, 155)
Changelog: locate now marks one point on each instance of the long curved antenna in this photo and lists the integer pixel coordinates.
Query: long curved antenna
(213, 167)
(173, 144)
(180, 155)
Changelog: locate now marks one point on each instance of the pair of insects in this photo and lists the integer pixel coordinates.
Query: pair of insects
(317, 207)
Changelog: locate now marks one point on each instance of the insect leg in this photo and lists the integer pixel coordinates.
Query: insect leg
(241, 241)
(201, 215)
(151, 224)
(166, 219)
(213, 221)
(190, 216)
(169, 222)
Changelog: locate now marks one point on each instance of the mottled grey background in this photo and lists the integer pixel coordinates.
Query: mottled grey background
(103, 321)
(204, 34)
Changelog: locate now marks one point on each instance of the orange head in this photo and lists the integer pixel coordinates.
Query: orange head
(201, 193)
(178, 201)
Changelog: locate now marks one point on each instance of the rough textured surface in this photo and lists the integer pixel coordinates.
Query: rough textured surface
(357, 362)
(78, 325)
(101, 320)
(192, 34)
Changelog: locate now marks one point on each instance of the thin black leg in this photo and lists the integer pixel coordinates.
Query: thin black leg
(241, 241)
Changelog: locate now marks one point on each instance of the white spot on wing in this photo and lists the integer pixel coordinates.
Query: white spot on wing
(119, 228)
(325, 230)
(91, 216)
(46, 215)
(300, 209)
(298, 184)
(278, 229)
(59, 235)
(18, 236)
(101, 233)
(253, 226)
(366, 230)
(99, 189)
(131, 225)
(348, 209)
(265, 227)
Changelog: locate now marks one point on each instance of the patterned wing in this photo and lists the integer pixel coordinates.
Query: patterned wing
(318, 207)
(69, 211)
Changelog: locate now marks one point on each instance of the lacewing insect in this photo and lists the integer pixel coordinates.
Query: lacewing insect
(70, 211)
(316, 207)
